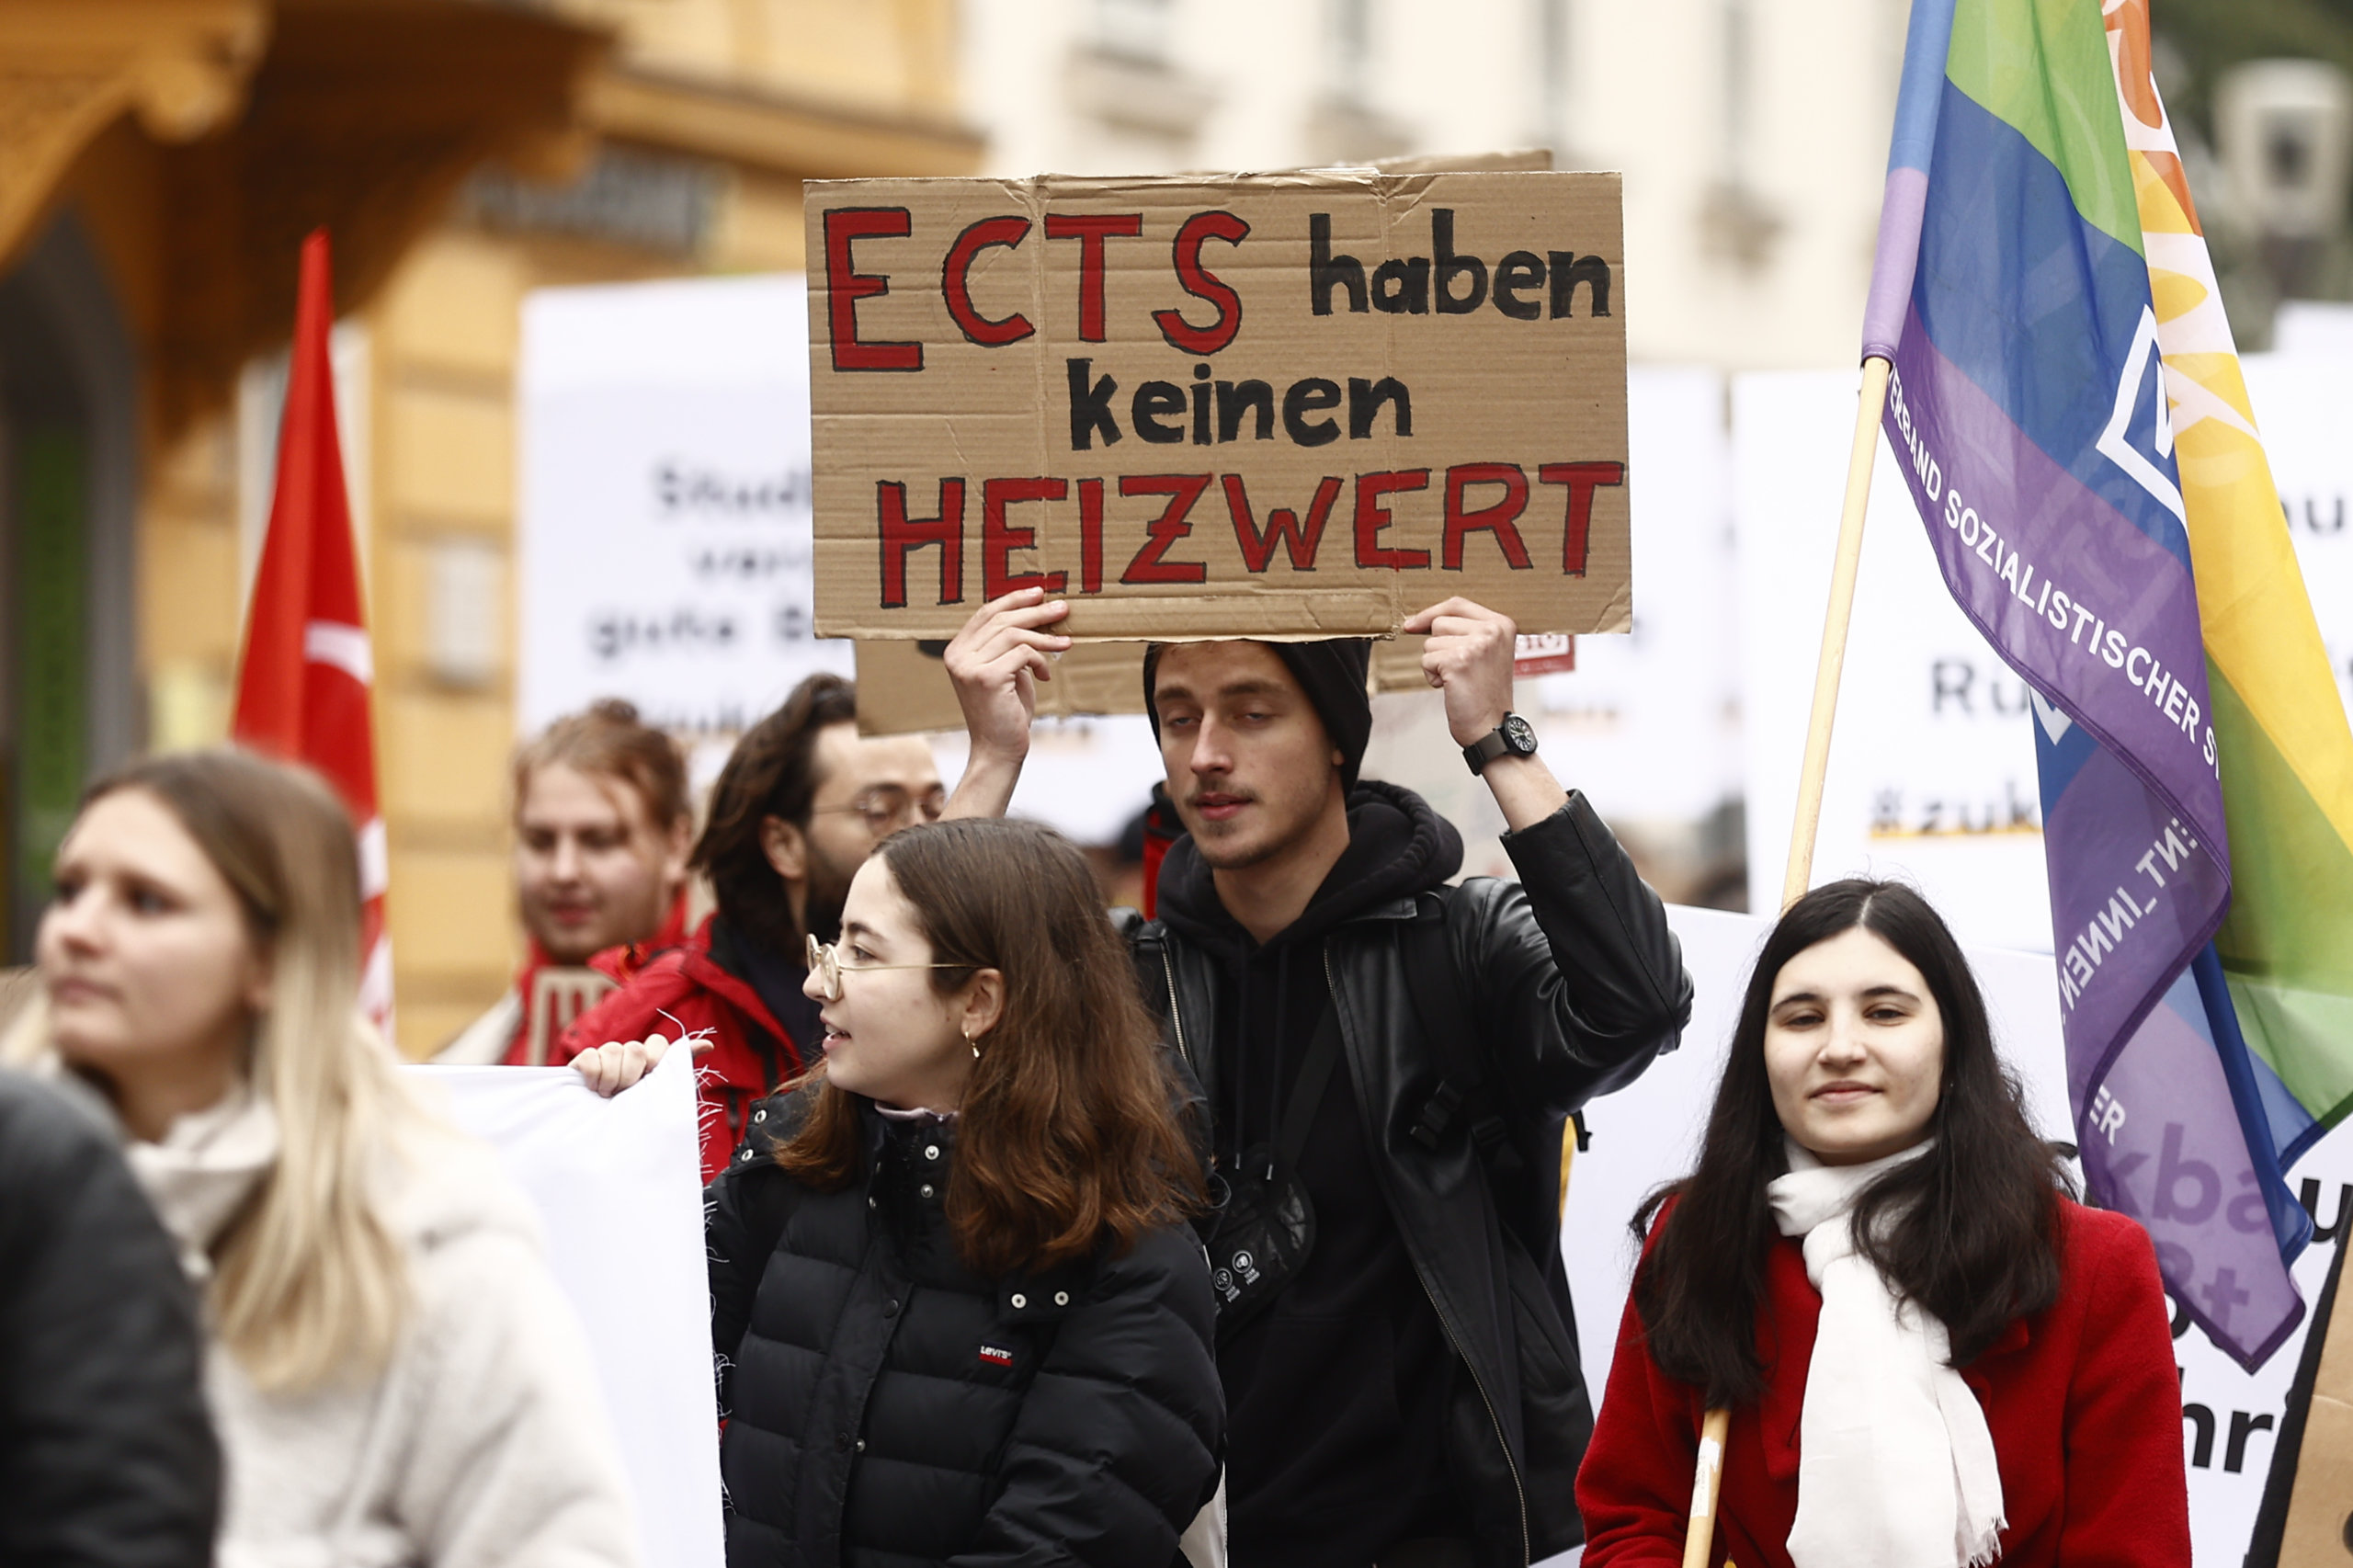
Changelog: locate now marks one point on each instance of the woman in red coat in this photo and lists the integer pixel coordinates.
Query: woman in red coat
(1933, 1357)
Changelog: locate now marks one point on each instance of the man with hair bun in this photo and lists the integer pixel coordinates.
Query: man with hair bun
(802, 802)
(602, 822)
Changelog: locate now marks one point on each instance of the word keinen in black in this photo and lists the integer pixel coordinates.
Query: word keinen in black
(1158, 410)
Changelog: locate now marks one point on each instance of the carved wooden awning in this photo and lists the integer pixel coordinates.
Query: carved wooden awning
(270, 118)
(71, 68)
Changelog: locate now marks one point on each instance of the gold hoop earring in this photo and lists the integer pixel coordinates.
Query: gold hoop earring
(967, 1040)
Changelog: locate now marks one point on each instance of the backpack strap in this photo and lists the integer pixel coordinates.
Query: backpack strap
(1462, 1096)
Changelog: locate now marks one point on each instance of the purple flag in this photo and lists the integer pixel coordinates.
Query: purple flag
(2028, 408)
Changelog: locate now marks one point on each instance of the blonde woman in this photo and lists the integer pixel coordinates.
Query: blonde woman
(394, 1377)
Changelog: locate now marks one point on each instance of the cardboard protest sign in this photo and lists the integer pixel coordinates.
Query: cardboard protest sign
(903, 687)
(1267, 405)
(2308, 1498)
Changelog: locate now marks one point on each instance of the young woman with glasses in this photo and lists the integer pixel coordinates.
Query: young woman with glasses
(394, 1376)
(957, 1311)
(1933, 1357)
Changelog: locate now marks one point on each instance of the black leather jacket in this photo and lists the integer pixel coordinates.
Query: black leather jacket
(1573, 983)
(106, 1453)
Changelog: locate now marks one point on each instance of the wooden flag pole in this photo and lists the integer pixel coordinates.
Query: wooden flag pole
(1834, 630)
(1826, 670)
(1711, 1470)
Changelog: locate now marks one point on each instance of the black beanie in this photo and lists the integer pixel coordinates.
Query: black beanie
(1331, 673)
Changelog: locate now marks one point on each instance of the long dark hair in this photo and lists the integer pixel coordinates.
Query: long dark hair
(1068, 1137)
(1969, 1228)
(772, 772)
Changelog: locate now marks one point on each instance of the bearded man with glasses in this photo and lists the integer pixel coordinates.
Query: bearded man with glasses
(802, 802)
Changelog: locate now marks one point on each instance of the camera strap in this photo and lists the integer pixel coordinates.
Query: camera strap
(1307, 1091)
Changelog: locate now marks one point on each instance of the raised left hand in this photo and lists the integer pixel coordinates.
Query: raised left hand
(1468, 657)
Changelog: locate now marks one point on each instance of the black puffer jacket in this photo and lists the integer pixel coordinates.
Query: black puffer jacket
(888, 1407)
(1571, 983)
(106, 1457)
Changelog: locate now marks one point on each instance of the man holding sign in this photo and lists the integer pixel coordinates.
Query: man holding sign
(1401, 1379)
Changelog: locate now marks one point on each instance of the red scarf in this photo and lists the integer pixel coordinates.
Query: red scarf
(553, 994)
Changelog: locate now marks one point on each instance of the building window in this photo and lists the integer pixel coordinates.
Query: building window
(1135, 29)
(1350, 46)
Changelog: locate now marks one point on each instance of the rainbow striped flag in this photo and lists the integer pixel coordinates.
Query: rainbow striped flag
(2067, 403)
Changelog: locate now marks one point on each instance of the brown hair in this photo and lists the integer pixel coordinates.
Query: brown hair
(312, 1280)
(1068, 1137)
(609, 740)
(771, 773)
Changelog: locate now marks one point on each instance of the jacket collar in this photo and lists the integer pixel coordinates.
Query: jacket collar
(698, 964)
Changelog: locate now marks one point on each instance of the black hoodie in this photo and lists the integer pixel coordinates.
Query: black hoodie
(1337, 1396)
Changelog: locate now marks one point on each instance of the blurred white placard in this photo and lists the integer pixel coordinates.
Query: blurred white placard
(664, 520)
(2303, 406)
(618, 1187)
(1648, 723)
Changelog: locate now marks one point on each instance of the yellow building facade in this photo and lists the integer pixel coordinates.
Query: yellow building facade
(165, 158)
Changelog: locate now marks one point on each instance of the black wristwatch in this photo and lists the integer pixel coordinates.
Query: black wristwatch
(1514, 736)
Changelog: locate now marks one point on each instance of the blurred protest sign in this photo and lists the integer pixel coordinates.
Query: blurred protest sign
(615, 1183)
(663, 531)
(1408, 386)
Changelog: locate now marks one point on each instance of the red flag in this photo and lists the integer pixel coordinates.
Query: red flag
(303, 684)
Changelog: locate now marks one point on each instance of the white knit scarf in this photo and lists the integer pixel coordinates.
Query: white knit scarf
(1895, 1464)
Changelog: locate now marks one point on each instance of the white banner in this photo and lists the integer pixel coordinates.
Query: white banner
(664, 520)
(618, 1187)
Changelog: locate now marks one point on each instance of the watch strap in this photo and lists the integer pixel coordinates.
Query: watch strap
(1485, 749)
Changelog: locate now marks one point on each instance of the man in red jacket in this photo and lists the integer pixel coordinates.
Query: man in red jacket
(802, 803)
(602, 822)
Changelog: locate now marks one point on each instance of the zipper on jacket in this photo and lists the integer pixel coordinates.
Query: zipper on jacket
(1503, 1442)
(1175, 1013)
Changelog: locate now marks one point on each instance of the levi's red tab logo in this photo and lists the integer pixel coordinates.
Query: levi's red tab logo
(996, 1356)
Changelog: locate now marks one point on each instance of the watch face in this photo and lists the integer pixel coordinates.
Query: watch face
(1518, 735)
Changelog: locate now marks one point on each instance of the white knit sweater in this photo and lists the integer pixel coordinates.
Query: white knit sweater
(483, 1444)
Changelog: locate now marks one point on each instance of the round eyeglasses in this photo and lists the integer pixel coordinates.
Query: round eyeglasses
(826, 963)
(886, 808)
